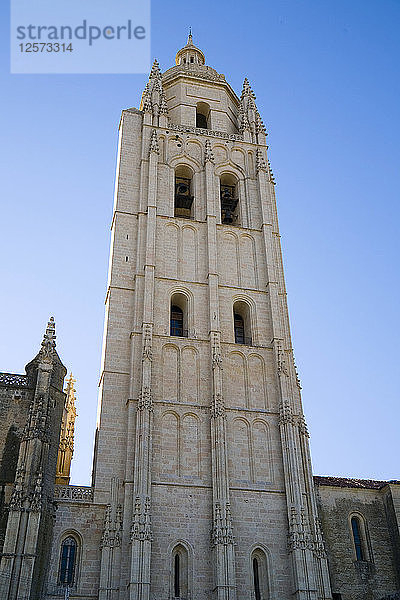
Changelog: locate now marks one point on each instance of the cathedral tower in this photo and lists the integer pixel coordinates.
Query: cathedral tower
(202, 459)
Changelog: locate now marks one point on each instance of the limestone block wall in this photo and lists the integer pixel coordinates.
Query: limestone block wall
(85, 521)
(379, 574)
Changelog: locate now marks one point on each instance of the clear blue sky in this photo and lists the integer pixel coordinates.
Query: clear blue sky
(326, 76)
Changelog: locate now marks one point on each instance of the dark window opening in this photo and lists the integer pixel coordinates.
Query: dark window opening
(203, 115)
(201, 121)
(355, 525)
(67, 564)
(177, 582)
(183, 192)
(191, 59)
(256, 579)
(336, 596)
(239, 329)
(176, 327)
(228, 204)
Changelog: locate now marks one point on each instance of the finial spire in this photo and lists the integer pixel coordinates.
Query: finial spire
(155, 70)
(49, 339)
(190, 37)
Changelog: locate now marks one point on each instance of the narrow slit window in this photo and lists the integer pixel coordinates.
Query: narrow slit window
(239, 329)
(177, 587)
(179, 573)
(176, 321)
(356, 528)
(256, 579)
(259, 575)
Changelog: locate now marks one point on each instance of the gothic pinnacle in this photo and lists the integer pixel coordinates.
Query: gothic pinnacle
(49, 343)
(155, 70)
(247, 91)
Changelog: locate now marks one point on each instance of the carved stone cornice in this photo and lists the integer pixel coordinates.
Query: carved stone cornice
(193, 70)
(73, 493)
(236, 137)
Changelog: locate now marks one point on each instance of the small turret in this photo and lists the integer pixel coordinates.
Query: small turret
(250, 122)
(189, 54)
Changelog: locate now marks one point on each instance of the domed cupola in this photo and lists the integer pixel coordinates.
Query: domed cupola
(189, 54)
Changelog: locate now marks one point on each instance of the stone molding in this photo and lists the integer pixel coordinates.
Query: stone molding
(73, 493)
(236, 137)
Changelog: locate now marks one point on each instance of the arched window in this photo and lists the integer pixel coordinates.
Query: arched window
(176, 321)
(68, 557)
(229, 199)
(183, 192)
(179, 582)
(256, 578)
(178, 316)
(177, 576)
(239, 329)
(203, 115)
(259, 575)
(359, 544)
(242, 324)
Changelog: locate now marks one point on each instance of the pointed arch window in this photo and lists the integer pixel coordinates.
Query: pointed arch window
(177, 576)
(68, 557)
(256, 578)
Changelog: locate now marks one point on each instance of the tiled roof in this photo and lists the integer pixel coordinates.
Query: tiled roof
(347, 482)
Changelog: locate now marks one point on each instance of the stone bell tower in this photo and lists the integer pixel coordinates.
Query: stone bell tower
(202, 454)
